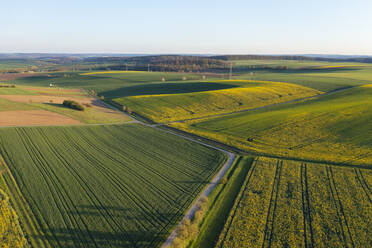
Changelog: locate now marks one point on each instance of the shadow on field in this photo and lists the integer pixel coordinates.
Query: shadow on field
(166, 88)
(74, 237)
(110, 226)
(59, 105)
(203, 182)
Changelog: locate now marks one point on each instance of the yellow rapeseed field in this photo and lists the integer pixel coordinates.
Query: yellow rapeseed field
(11, 235)
(315, 130)
(252, 94)
(329, 207)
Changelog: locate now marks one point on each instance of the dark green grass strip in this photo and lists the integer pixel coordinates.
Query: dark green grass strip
(221, 201)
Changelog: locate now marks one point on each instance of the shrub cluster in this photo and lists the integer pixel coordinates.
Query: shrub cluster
(127, 110)
(189, 229)
(93, 93)
(7, 86)
(73, 105)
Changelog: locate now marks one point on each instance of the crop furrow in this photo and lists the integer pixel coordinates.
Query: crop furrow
(125, 155)
(111, 175)
(306, 210)
(165, 195)
(337, 205)
(164, 161)
(270, 219)
(33, 152)
(73, 206)
(362, 183)
(94, 198)
(341, 207)
(63, 197)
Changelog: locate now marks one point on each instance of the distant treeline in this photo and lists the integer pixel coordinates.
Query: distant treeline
(179, 63)
(162, 63)
(292, 57)
(171, 63)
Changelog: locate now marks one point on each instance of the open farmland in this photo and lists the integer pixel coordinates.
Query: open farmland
(108, 84)
(240, 95)
(333, 128)
(294, 204)
(129, 185)
(24, 105)
(323, 76)
(34, 118)
(107, 186)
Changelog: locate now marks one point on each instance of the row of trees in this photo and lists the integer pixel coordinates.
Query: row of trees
(173, 63)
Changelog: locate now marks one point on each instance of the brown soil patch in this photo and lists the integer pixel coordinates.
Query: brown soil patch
(44, 99)
(34, 118)
(53, 91)
(95, 103)
(12, 76)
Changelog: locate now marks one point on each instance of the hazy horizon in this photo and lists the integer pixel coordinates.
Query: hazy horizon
(188, 27)
(190, 54)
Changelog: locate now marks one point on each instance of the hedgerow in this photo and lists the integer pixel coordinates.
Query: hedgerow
(73, 105)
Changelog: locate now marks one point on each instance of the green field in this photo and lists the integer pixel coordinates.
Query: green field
(109, 85)
(333, 128)
(294, 64)
(106, 186)
(128, 185)
(88, 116)
(323, 76)
(14, 91)
(91, 115)
(6, 105)
(9, 64)
(293, 204)
(239, 95)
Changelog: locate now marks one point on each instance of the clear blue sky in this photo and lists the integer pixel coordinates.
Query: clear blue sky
(180, 26)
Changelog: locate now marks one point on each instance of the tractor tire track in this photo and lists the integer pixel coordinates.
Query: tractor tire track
(306, 210)
(270, 218)
(339, 209)
(363, 183)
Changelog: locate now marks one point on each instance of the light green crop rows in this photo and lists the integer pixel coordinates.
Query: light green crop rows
(106, 186)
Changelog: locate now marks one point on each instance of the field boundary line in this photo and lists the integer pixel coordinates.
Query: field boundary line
(363, 183)
(339, 208)
(238, 200)
(240, 151)
(306, 210)
(270, 217)
(210, 186)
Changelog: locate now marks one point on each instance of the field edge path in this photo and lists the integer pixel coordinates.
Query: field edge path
(191, 211)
